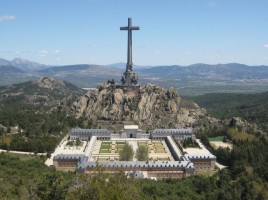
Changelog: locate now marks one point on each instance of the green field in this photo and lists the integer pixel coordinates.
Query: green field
(216, 139)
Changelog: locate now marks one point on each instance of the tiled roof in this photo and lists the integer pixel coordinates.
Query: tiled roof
(137, 164)
(172, 131)
(90, 131)
(204, 156)
(69, 157)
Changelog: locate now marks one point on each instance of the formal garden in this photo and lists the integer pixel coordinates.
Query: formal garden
(156, 149)
(106, 147)
(111, 147)
(154, 146)
(146, 150)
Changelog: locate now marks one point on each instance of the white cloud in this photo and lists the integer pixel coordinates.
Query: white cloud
(265, 45)
(42, 53)
(7, 17)
(56, 51)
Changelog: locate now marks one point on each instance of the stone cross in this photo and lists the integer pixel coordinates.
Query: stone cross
(129, 28)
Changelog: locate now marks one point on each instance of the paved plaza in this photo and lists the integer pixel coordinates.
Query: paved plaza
(202, 150)
(63, 148)
(217, 144)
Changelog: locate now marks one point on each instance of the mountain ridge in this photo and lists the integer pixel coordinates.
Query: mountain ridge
(191, 80)
(121, 65)
(27, 65)
(23, 64)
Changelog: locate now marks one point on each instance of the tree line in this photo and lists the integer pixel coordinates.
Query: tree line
(38, 131)
(28, 178)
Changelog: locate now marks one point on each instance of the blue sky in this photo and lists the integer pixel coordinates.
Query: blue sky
(182, 32)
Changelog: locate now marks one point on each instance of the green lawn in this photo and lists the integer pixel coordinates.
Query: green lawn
(106, 142)
(105, 151)
(120, 142)
(105, 146)
(216, 139)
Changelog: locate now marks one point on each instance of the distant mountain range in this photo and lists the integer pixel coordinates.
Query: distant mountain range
(122, 65)
(197, 78)
(218, 71)
(19, 64)
(83, 69)
(229, 71)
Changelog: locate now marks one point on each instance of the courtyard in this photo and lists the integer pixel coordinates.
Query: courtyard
(109, 150)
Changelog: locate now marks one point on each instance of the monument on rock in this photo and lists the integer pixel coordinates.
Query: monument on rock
(129, 79)
(114, 105)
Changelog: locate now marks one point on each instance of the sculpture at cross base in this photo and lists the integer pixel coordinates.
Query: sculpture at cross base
(129, 77)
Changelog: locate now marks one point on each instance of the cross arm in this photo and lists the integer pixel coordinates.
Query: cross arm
(131, 28)
(135, 28)
(124, 28)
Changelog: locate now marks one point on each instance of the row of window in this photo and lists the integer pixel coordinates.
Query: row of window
(172, 132)
(87, 138)
(67, 164)
(165, 175)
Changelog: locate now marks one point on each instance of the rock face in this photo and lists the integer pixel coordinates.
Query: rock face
(151, 107)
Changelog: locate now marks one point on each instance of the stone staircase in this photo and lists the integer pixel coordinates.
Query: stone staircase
(136, 101)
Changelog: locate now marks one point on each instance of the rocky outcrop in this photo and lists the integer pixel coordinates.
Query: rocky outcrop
(151, 107)
(243, 126)
(45, 91)
(49, 83)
